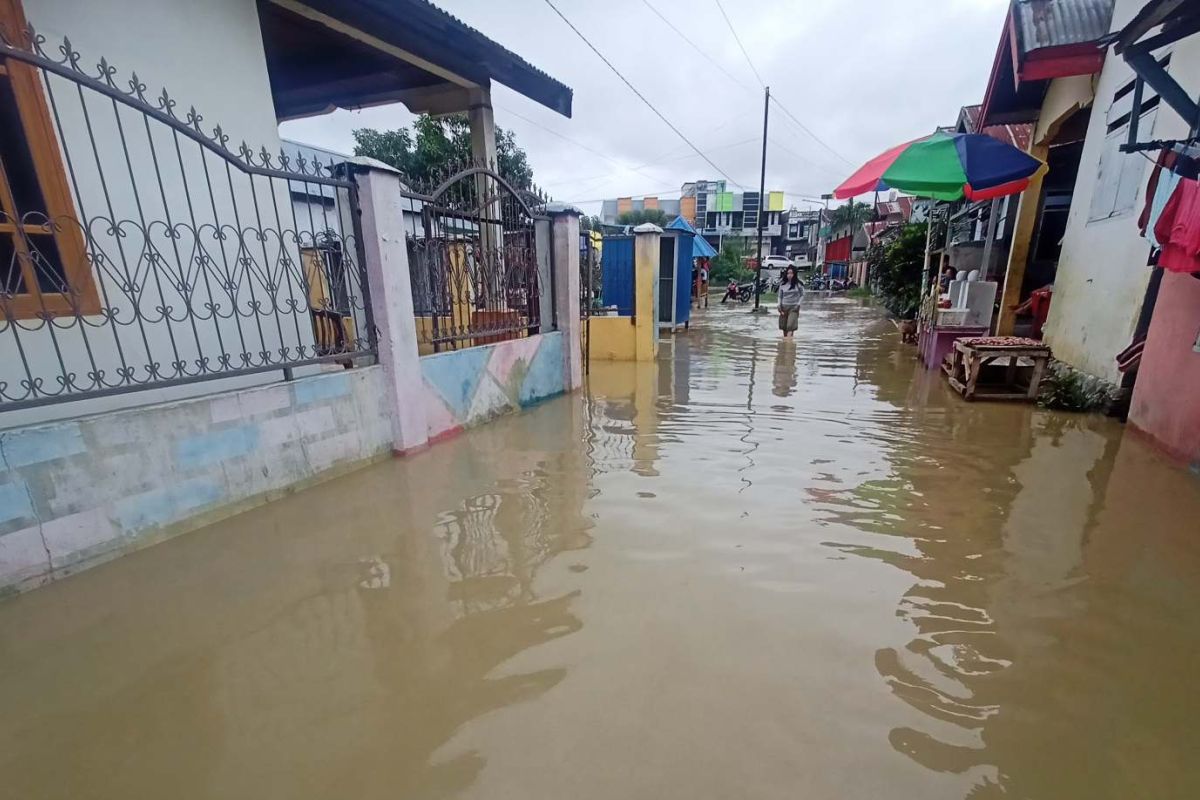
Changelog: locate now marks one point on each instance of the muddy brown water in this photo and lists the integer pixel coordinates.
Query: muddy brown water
(751, 570)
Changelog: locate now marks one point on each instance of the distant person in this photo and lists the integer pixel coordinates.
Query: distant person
(790, 294)
(948, 275)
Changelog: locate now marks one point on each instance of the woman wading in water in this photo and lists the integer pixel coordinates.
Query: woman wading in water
(790, 292)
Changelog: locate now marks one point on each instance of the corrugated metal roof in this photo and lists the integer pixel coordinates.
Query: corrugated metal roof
(1053, 23)
(423, 29)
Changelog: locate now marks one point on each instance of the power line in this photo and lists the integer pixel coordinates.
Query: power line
(641, 97)
(798, 157)
(737, 39)
(657, 161)
(577, 143)
(754, 69)
(815, 138)
(659, 193)
(693, 44)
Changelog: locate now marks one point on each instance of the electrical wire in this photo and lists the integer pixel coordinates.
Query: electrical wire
(641, 97)
(693, 45)
(802, 159)
(806, 129)
(659, 161)
(775, 100)
(577, 143)
(660, 193)
(738, 39)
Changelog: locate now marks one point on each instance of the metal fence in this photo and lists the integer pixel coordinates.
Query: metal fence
(138, 250)
(477, 271)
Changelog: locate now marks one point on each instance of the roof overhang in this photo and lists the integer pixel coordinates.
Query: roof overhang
(327, 54)
(1019, 77)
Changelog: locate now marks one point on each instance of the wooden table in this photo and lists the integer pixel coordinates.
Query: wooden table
(975, 372)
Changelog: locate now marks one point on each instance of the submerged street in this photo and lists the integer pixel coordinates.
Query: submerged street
(750, 570)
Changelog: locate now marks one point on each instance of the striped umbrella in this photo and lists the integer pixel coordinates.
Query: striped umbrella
(946, 166)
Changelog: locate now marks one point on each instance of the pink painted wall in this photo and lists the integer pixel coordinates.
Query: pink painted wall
(1166, 400)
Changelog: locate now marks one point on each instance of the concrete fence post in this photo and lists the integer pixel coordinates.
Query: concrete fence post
(385, 251)
(564, 236)
(646, 244)
(541, 244)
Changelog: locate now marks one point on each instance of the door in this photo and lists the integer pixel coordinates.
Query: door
(666, 279)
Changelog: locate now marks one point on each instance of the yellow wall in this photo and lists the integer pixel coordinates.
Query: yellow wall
(775, 201)
(611, 339)
(645, 267)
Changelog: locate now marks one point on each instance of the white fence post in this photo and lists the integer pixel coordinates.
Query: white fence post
(565, 243)
(386, 254)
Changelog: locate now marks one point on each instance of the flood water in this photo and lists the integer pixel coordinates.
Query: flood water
(751, 570)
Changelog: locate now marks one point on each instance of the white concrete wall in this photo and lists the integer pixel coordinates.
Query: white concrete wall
(76, 492)
(1102, 273)
(208, 56)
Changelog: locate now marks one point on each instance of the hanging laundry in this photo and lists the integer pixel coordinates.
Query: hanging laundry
(1178, 229)
(1163, 165)
(1167, 184)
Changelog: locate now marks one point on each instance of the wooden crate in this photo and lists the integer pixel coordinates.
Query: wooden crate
(997, 370)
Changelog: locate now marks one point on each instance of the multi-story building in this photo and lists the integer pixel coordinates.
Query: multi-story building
(714, 211)
(801, 233)
(611, 210)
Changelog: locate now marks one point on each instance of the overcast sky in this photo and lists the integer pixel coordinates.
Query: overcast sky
(861, 74)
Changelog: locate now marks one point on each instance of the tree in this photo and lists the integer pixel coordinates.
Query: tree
(439, 144)
(654, 215)
(895, 269)
(730, 262)
(850, 216)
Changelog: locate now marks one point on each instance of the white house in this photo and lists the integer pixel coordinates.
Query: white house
(1102, 272)
(159, 244)
(160, 247)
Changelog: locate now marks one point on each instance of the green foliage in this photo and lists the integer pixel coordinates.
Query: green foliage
(587, 223)
(895, 270)
(437, 144)
(1068, 389)
(860, 293)
(730, 262)
(653, 215)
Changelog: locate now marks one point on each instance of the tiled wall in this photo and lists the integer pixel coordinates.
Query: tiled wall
(467, 387)
(78, 491)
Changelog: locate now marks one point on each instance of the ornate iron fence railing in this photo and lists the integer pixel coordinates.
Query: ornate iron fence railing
(138, 251)
(476, 271)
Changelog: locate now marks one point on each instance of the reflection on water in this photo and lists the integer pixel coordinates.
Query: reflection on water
(751, 569)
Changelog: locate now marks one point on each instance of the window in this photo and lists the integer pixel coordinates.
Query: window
(42, 264)
(1120, 174)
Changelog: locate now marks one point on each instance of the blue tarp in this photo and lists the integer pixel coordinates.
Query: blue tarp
(700, 248)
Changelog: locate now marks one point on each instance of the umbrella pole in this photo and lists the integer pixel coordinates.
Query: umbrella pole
(928, 255)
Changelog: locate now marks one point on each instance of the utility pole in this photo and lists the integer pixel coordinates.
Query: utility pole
(821, 232)
(762, 191)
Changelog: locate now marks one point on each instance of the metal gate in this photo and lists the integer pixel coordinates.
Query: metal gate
(590, 287)
(474, 264)
(140, 251)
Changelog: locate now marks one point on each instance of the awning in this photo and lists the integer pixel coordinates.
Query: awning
(700, 247)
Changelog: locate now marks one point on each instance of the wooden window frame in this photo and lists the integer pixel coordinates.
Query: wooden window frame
(48, 166)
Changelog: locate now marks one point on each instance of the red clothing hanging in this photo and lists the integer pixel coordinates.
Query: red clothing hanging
(1178, 229)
